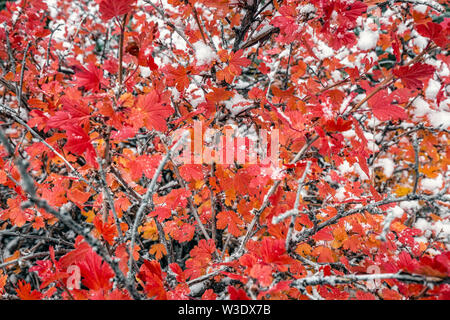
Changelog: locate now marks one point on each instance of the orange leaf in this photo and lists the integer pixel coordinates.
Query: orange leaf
(158, 250)
(24, 292)
(324, 254)
(231, 220)
(78, 197)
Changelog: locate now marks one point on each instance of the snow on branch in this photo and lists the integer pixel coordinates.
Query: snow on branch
(351, 278)
(429, 3)
(372, 208)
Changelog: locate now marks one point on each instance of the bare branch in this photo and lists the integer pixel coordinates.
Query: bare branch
(147, 200)
(109, 198)
(296, 204)
(351, 278)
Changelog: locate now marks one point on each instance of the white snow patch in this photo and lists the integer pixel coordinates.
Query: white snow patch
(410, 205)
(420, 8)
(422, 224)
(368, 40)
(203, 53)
(145, 72)
(432, 184)
(420, 41)
(421, 107)
(432, 89)
(388, 166)
(396, 212)
(340, 194)
(345, 168)
(440, 119)
(52, 6)
(307, 8)
(441, 228)
(323, 51)
(237, 104)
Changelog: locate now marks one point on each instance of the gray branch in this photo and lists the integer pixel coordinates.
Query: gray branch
(147, 200)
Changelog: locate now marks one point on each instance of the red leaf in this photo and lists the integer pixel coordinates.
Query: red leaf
(323, 235)
(90, 78)
(78, 142)
(200, 258)
(152, 276)
(324, 254)
(209, 295)
(362, 161)
(177, 77)
(182, 233)
(396, 46)
(191, 172)
(151, 63)
(434, 32)
(124, 133)
(237, 294)
(235, 63)
(361, 295)
(113, 8)
(231, 220)
(178, 271)
(384, 110)
(389, 294)
(96, 273)
(204, 249)
(107, 229)
(436, 266)
(406, 263)
(71, 113)
(339, 125)
(270, 250)
(175, 199)
(162, 213)
(77, 196)
(158, 250)
(76, 255)
(413, 75)
(155, 111)
(263, 273)
(287, 22)
(352, 11)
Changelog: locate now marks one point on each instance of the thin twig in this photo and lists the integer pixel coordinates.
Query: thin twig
(163, 16)
(32, 236)
(22, 73)
(416, 164)
(122, 35)
(109, 199)
(296, 204)
(346, 279)
(31, 256)
(147, 200)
